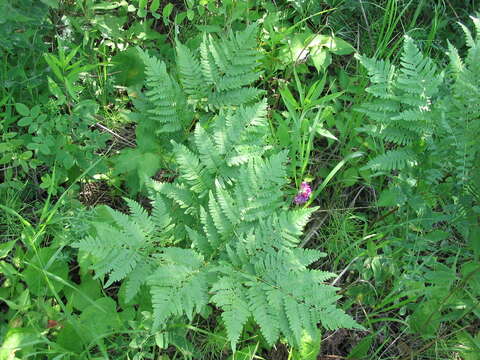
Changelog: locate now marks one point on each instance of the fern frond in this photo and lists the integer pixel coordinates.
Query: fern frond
(264, 314)
(382, 75)
(418, 73)
(116, 254)
(160, 215)
(233, 97)
(207, 151)
(456, 62)
(333, 318)
(392, 160)
(227, 204)
(398, 136)
(210, 229)
(193, 171)
(258, 191)
(137, 277)
(200, 242)
(240, 136)
(380, 110)
(140, 216)
(190, 72)
(279, 292)
(220, 232)
(209, 68)
(231, 298)
(222, 223)
(294, 221)
(469, 40)
(167, 103)
(179, 194)
(178, 286)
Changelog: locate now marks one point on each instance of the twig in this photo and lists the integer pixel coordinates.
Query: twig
(347, 208)
(392, 211)
(313, 231)
(352, 203)
(431, 343)
(125, 141)
(108, 74)
(322, 357)
(344, 271)
(393, 342)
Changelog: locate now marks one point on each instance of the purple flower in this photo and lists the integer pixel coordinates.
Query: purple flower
(304, 194)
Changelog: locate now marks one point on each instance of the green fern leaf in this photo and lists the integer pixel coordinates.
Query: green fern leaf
(392, 160)
(229, 297)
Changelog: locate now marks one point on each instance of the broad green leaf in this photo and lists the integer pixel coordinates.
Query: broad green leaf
(321, 59)
(106, 5)
(66, 159)
(320, 130)
(86, 293)
(166, 12)
(56, 91)
(6, 247)
(22, 109)
(35, 111)
(360, 350)
(101, 318)
(309, 347)
(53, 268)
(391, 197)
(154, 5)
(474, 240)
(350, 176)
(288, 99)
(72, 338)
(18, 343)
(334, 44)
(129, 68)
(86, 110)
(25, 121)
(341, 47)
(53, 62)
(26, 155)
(426, 319)
(142, 8)
(246, 353)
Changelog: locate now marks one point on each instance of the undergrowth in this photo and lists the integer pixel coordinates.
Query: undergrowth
(208, 179)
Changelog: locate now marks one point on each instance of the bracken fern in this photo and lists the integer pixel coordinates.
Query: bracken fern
(218, 76)
(236, 239)
(429, 120)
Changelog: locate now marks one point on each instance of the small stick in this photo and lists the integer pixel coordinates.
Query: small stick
(126, 141)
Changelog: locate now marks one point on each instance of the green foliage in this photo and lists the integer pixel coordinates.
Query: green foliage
(428, 119)
(218, 79)
(55, 139)
(225, 69)
(238, 250)
(217, 257)
(24, 23)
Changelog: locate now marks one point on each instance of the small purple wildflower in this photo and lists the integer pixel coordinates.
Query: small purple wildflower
(304, 195)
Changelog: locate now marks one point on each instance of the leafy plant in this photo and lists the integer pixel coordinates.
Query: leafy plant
(427, 119)
(23, 24)
(218, 78)
(65, 141)
(236, 239)
(67, 73)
